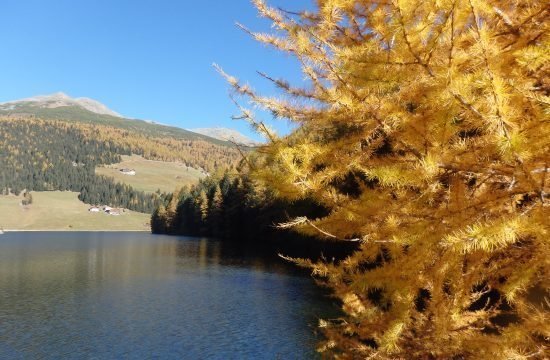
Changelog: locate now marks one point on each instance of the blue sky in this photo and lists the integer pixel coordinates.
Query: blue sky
(146, 59)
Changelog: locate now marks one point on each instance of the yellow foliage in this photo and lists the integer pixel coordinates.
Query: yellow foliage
(196, 153)
(424, 128)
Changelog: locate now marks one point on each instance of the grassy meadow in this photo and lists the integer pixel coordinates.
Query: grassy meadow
(150, 174)
(61, 210)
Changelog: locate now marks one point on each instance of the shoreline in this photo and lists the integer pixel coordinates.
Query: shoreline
(5, 231)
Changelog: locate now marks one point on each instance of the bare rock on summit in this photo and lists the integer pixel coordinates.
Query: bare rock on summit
(60, 99)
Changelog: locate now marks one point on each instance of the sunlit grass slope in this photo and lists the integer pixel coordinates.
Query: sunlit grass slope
(57, 210)
(151, 175)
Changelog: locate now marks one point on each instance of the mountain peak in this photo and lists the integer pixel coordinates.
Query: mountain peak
(60, 99)
(59, 95)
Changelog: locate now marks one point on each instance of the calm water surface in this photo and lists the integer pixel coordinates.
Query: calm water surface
(140, 296)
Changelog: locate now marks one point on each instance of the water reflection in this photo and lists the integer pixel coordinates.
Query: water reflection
(135, 295)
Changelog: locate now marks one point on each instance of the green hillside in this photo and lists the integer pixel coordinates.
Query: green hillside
(78, 114)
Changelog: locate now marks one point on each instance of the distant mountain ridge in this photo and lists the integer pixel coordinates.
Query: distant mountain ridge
(57, 100)
(60, 106)
(226, 134)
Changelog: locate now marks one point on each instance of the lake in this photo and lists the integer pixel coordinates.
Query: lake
(141, 296)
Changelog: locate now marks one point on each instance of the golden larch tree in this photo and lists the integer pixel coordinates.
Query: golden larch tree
(424, 127)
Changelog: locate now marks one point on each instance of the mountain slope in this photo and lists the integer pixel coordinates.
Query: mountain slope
(226, 134)
(57, 143)
(58, 100)
(59, 106)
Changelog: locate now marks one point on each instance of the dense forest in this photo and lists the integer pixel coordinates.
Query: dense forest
(235, 209)
(422, 137)
(36, 156)
(194, 152)
(43, 155)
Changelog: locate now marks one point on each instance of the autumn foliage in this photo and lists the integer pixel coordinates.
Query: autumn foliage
(424, 128)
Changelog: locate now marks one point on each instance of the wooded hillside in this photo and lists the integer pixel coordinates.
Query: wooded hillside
(40, 155)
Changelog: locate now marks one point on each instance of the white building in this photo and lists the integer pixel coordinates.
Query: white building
(128, 171)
